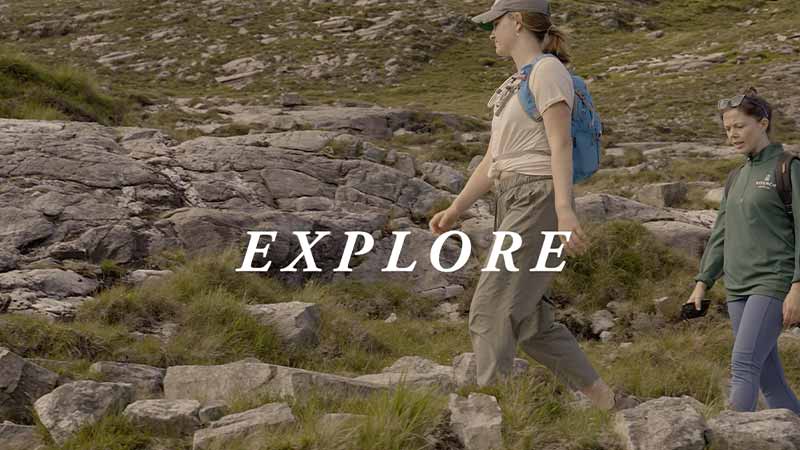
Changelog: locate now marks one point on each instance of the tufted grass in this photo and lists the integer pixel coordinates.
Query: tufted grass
(206, 300)
(113, 432)
(400, 419)
(624, 263)
(32, 91)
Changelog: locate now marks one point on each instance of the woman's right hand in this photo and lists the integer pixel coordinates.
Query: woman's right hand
(443, 221)
(698, 294)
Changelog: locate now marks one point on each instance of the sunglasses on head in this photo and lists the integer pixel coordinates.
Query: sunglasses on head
(733, 102)
(736, 101)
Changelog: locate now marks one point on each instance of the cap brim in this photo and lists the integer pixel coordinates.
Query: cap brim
(485, 20)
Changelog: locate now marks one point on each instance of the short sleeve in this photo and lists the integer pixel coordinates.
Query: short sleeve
(551, 83)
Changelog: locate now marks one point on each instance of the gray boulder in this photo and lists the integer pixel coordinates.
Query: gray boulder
(689, 238)
(477, 421)
(663, 194)
(165, 416)
(234, 380)
(771, 429)
(298, 323)
(243, 426)
(21, 384)
(443, 176)
(54, 293)
(604, 207)
(74, 405)
(414, 371)
(666, 423)
(20, 437)
(443, 293)
(148, 381)
(142, 276)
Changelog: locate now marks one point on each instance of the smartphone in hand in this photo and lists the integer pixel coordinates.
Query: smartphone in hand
(689, 311)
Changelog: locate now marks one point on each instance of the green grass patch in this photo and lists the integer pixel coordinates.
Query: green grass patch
(205, 299)
(624, 263)
(686, 169)
(32, 91)
(113, 432)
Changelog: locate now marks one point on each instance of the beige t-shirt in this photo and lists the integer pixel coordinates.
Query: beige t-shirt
(515, 131)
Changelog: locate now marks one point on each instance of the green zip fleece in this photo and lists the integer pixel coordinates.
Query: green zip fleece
(753, 240)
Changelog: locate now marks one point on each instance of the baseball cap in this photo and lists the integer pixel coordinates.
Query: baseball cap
(501, 7)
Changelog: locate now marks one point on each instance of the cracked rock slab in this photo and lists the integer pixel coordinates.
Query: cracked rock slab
(228, 382)
(243, 426)
(666, 423)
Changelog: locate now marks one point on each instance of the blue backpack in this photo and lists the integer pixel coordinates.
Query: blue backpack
(586, 125)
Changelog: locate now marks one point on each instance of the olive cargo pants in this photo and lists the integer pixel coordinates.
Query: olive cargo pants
(507, 307)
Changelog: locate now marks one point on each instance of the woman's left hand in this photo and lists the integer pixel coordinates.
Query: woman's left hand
(568, 221)
(791, 306)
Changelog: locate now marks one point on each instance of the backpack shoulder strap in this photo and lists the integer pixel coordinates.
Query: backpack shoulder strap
(783, 179)
(731, 179)
(526, 96)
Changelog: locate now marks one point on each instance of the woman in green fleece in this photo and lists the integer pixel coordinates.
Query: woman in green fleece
(753, 244)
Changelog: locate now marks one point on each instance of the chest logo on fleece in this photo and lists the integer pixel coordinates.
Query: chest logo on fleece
(766, 183)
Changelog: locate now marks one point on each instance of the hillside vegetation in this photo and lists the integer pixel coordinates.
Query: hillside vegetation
(647, 87)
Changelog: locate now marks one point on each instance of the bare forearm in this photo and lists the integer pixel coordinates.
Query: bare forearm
(477, 185)
(561, 164)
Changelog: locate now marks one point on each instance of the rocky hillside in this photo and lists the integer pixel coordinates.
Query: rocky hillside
(98, 304)
(657, 66)
(124, 209)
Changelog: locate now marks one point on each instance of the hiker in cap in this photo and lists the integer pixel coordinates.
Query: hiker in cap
(529, 165)
(753, 244)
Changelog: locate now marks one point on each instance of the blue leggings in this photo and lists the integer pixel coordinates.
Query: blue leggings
(757, 323)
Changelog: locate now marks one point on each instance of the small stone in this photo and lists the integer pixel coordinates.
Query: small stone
(477, 421)
(297, 323)
(602, 320)
(211, 411)
(165, 416)
(663, 194)
(290, 100)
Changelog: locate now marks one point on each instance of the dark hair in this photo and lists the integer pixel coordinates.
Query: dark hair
(756, 107)
(553, 40)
